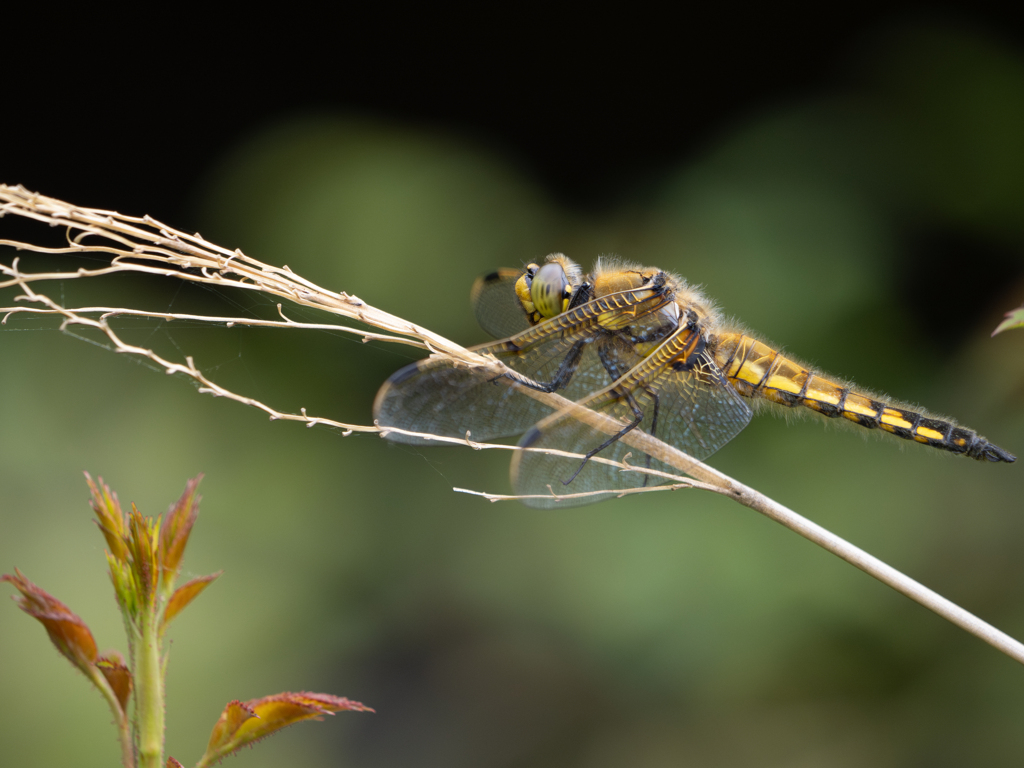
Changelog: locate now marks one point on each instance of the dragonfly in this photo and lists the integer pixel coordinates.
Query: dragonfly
(644, 351)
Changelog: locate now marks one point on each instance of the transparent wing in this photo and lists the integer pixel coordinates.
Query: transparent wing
(694, 409)
(437, 397)
(568, 354)
(496, 305)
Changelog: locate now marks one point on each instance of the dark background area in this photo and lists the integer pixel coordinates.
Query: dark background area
(594, 104)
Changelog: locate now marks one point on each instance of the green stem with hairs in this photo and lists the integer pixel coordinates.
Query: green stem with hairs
(149, 690)
(124, 730)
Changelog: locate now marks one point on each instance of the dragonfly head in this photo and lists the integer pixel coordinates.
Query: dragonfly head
(544, 291)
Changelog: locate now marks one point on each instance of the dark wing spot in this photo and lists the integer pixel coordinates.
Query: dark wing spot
(530, 438)
(404, 374)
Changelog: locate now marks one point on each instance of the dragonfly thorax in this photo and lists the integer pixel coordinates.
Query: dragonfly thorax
(607, 282)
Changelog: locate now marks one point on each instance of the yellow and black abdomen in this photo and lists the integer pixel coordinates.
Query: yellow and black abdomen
(757, 370)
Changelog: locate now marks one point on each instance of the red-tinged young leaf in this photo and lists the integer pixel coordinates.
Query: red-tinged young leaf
(68, 632)
(185, 594)
(231, 719)
(176, 528)
(172, 763)
(109, 517)
(118, 675)
(271, 714)
(1014, 319)
(326, 701)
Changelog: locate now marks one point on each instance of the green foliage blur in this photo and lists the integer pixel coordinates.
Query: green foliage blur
(663, 630)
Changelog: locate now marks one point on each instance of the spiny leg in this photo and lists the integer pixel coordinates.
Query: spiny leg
(638, 417)
(613, 365)
(566, 370)
(654, 428)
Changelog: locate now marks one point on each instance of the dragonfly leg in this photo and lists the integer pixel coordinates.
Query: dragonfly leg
(638, 416)
(654, 429)
(609, 352)
(563, 375)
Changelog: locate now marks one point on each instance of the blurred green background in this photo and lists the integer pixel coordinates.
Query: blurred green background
(875, 230)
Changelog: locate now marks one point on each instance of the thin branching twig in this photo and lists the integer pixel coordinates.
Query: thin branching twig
(144, 245)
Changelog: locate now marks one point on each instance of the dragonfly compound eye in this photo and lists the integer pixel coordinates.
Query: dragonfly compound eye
(523, 287)
(548, 290)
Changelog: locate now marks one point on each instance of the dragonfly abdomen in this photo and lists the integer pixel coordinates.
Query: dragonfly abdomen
(758, 371)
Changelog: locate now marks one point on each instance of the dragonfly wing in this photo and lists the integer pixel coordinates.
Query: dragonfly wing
(567, 354)
(496, 306)
(695, 410)
(438, 397)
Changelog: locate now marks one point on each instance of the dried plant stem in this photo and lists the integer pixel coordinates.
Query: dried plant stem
(871, 565)
(145, 245)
